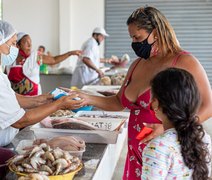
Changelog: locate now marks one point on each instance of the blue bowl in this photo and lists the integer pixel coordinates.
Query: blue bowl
(85, 108)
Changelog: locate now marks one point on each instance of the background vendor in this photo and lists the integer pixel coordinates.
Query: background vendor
(88, 67)
(24, 73)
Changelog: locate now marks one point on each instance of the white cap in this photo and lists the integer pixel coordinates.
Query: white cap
(20, 35)
(100, 31)
(6, 32)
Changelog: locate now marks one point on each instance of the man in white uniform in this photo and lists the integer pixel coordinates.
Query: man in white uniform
(87, 69)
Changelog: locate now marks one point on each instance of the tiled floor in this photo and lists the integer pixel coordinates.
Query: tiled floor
(120, 166)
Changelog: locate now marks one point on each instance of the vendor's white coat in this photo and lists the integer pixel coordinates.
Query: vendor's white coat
(10, 111)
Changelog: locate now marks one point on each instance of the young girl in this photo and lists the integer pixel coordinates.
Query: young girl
(183, 151)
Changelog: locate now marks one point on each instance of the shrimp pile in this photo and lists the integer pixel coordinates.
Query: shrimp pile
(34, 176)
(44, 160)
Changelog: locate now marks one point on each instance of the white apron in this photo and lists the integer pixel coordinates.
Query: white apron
(26, 78)
(10, 111)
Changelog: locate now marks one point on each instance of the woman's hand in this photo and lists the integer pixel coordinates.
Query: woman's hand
(70, 102)
(81, 94)
(157, 130)
(86, 97)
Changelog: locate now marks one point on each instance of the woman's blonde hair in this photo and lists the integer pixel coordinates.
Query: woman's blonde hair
(149, 18)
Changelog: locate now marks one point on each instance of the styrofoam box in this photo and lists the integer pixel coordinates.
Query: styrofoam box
(89, 136)
(26, 143)
(116, 71)
(104, 123)
(100, 88)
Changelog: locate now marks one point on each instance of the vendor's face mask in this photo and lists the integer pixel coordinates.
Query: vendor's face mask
(8, 59)
(142, 49)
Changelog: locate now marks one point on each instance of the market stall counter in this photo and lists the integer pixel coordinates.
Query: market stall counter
(99, 160)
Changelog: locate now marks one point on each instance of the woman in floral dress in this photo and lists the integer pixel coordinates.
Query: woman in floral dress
(155, 43)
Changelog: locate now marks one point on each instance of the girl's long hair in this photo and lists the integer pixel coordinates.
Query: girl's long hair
(150, 18)
(179, 100)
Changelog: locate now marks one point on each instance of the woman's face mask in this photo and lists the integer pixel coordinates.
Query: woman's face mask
(9, 58)
(142, 49)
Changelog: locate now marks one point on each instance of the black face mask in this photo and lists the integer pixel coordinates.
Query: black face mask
(142, 49)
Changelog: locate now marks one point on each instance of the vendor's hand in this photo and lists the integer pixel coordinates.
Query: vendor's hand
(68, 102)
(43, 99)
(114, 61)
(76, 52)
(100, 72)
(81, 94)
(157, 130)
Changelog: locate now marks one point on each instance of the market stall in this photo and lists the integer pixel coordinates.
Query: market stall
(99, 152)
(104, 133)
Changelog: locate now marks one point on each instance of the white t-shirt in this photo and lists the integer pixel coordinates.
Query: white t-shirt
(84, 75)
(162, 158)
(10, 111)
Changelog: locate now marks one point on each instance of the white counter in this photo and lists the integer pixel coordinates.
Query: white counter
(110, 158)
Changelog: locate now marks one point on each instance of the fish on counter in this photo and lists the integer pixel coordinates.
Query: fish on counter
(67, 143)
(72, 124)
(66, 123)
(83, 124)
(63, 113)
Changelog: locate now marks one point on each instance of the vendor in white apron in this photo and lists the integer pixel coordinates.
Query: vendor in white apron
(12, 114)
(24, 73)
(12, 105)
(87, 69)
(10, 110)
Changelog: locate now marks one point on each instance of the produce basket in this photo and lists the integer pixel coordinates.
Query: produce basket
(68, 176)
